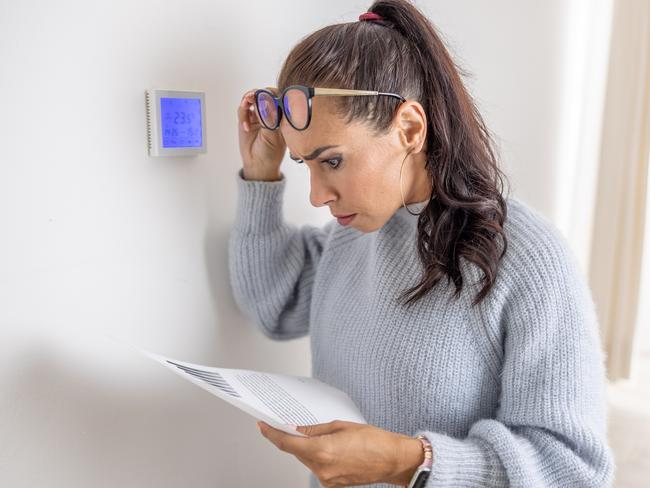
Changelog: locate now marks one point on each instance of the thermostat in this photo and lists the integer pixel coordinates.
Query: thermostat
(175, 122)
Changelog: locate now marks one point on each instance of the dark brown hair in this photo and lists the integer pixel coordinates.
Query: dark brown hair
(404, 54)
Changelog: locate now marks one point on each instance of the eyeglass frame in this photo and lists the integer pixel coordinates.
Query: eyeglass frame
(311, 92)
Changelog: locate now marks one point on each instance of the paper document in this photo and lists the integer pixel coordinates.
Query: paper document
(277, 399)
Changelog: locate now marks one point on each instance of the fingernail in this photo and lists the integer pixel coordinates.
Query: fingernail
(246, 126)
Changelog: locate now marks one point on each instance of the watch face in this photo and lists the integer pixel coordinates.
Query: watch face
(422, 475)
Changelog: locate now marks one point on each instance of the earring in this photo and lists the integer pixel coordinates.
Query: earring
(402, 192)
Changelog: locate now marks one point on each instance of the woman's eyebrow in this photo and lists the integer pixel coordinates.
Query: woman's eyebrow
(314, 154)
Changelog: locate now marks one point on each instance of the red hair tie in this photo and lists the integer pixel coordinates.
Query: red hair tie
(370, 16)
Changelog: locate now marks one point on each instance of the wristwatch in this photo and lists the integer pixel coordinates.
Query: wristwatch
(421, 474)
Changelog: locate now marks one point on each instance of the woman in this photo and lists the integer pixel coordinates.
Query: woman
(441, 307)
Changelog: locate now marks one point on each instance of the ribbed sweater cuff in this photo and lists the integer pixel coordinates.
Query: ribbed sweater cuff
(463, 462)
(259, 205)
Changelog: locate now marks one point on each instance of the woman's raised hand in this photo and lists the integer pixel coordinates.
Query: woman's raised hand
(261, 150)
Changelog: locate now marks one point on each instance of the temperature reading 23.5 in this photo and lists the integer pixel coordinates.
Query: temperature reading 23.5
(181, 122)
(175, 122)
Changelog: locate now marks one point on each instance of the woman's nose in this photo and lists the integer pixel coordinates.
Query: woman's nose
(321, 193)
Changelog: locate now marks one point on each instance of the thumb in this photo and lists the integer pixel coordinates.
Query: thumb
(320, 429)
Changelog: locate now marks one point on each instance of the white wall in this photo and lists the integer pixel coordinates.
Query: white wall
(97, 237)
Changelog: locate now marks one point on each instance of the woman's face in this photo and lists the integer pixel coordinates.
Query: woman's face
(354, 172)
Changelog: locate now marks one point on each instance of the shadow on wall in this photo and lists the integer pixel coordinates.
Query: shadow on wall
(109, 429)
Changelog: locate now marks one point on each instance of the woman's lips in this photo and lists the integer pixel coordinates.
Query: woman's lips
(345, 220)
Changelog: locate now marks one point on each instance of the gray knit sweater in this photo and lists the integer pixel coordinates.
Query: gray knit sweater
(510, 392)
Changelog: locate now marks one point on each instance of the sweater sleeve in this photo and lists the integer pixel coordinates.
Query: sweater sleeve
(549, 429)
(272, 264)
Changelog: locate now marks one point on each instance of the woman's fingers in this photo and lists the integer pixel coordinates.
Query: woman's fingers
(247, 114)
(241, 112)
(244, 109)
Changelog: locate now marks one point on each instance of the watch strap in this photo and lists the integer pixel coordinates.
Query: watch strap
(423, 471)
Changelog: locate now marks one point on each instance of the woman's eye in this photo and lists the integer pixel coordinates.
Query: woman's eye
(334, 163)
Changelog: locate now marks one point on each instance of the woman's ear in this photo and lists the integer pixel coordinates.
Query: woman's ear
(411, 123)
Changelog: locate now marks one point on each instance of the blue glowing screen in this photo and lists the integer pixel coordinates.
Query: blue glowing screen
(181, 122)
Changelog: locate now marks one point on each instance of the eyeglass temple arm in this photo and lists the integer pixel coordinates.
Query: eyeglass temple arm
(343, 91)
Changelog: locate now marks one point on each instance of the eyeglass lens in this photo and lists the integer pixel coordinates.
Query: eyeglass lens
(268, 110)
(296, 108)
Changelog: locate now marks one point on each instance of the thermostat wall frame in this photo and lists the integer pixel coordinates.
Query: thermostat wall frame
(175, 122)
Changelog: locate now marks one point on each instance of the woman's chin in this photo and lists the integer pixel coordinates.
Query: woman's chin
(365, 226)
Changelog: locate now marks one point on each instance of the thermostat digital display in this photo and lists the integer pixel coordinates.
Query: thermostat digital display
(175, 122)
